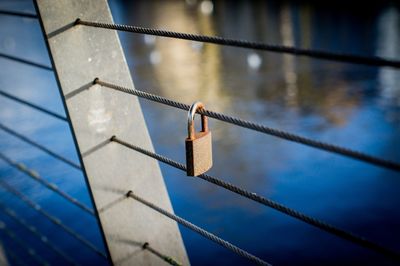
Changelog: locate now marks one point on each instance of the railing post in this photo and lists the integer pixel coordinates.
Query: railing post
(79, 54)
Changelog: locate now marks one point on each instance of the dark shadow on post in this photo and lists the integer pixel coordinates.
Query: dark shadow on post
(79, 90)
(61, 30)
(96, 148)
(111, 204)
(146, 246)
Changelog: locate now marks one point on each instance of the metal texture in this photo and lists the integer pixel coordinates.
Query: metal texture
(272, 204)
(79, 54)
(200, 230)
(198, 145)
(325, 55)
(385, 163)
(191, 113)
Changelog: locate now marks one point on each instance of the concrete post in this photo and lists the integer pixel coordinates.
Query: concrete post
(80, 54)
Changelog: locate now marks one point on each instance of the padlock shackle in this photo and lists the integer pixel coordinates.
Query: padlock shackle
(191, 113)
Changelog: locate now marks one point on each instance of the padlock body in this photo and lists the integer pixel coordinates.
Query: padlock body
(198, 153)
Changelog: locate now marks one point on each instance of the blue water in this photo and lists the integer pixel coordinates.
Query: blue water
(345, 104)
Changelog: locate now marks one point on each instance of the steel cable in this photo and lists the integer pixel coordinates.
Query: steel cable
(39, 146)
(22, 244)
(34, 106)
(25, 61)
(267, 202)
(199, 230)
(260, 128)
(53, 187)
(341, 57)
(51, 218)
(18, 14)
(35, 232)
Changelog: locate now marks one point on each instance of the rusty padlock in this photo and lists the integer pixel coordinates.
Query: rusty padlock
(198, 144)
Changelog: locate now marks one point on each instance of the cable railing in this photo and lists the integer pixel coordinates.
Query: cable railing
(32, 105)
(51, 218)
(325, 55)
(26, 62)
(272, 204)
(40, 147)
(19, 242)
(347, 58)
(199, 230)
(255, 126)
(35, 176)
(40, 236)
(260, 128)
(51, 186)
(18, 14)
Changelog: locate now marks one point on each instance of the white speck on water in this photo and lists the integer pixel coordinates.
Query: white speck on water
(197, 46)
(89, 59)
(149, 39)
(206, 7)
(254, 61)
(155, 57)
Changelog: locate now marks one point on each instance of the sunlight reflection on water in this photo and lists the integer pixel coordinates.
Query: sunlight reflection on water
(350, 105)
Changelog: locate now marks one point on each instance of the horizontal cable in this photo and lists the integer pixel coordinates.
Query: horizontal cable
(267, 202)
(341, 57)
(260, 128)
(18, 14)
(32, 105)
(35, 232)
(27, 62)
(39, 146)
(51, 218)
(199, 230)
(22, 244)
(53, 187)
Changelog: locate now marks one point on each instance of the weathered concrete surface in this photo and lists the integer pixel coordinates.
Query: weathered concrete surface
(79, 55)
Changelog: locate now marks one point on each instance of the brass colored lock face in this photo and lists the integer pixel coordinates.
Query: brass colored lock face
(198, 144)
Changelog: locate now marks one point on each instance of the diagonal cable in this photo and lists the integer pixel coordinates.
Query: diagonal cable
(32, 105)
(35, 232)
(53, 187)
(13, 257)
(199, 230)
(51, 218)
(25, 61)
(18, 14)
(326, 55)
(39, 146)
(22, 244)
(260, 128)
(270, 203)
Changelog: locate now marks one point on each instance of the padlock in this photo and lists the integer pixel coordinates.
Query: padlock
(198, 144)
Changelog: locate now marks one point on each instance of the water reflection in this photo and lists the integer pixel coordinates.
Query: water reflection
(347, 104)
(289, 68)
(341, 103)
(388, 46)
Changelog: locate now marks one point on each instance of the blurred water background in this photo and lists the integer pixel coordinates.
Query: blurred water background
(345, 104)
